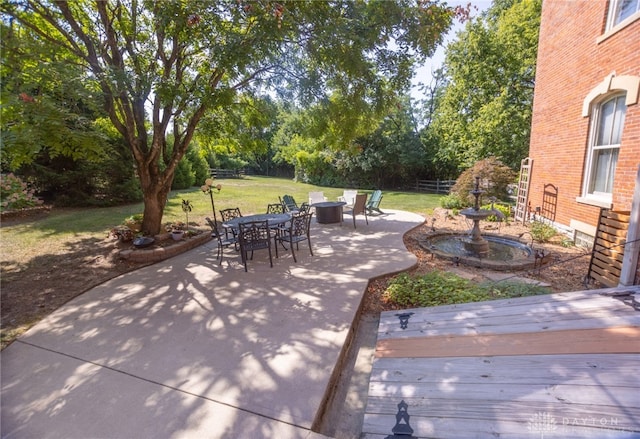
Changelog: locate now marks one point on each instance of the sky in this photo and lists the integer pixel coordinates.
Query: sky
(423, 74)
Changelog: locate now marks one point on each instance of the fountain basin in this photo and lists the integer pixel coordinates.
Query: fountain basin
(503, 254)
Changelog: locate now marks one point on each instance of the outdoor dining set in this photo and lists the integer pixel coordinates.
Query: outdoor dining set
(285, 223)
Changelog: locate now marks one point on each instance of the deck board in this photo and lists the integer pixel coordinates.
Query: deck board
(621, 340)
(569, 393)
(604, 369)
(509, 316)
(515, 368)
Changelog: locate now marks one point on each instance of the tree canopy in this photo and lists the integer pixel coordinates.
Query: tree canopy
(486, 107)
(159, 67)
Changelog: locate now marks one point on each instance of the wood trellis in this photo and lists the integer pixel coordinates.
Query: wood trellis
(523, 190)
(550, 202)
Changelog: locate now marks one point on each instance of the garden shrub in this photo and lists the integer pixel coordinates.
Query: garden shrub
(509, 289)
(432, 289)
(125, 191)
(232, 162)
(134, 222)
(444, 288)
(504, 209)
(567, 242)
(199, 165)
(542, 232)
(452, 201)
(118, 181)
(184, 177)
(16, 194)
(64, 181)
(495, 178)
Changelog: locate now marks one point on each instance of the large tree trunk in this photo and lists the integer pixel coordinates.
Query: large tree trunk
(155, 192)
(154, 201)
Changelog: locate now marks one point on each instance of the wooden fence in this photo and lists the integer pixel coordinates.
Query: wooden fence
(435, 186)
(227, 173)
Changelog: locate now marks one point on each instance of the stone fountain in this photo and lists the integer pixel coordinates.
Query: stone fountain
(489, 251)
(476, 244)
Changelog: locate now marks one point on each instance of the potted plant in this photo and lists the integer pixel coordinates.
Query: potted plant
(134, 222)
(175, 229)
(122, 233)
(177, 234)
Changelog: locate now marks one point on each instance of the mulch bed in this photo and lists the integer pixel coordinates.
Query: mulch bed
(565, 268)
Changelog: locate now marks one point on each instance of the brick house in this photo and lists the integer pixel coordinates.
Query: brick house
(585, 133)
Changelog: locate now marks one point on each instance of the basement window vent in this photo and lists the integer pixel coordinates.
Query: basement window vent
(583, 240)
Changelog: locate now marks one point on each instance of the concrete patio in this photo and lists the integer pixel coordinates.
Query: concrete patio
(189, 348)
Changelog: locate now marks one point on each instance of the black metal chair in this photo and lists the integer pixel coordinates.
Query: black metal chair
(253, 236)
(223, 240)
(304, 208)
(229, 214)
(299, 230)
(275, 208)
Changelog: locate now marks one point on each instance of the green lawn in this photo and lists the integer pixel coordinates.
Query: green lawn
(251, 194)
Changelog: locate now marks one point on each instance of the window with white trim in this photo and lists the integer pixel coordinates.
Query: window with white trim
(606, 133)
(620, 10)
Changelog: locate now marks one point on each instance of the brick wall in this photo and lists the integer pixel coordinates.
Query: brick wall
(571, 62)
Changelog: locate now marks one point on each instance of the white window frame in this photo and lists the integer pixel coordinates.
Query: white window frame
(612, 85)
(614, 11)
(594, 131)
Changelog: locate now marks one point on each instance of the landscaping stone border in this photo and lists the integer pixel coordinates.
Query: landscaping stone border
(155, 254)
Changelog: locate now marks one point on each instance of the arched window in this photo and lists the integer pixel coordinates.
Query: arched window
(606, 106)
(606, 132)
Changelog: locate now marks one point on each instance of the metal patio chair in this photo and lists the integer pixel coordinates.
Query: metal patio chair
(253, 236)
(275, 208)
(223, 240)
(228, 214)
(299, 230)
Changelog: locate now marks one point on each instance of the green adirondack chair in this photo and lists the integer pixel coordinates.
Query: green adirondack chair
(289, 203)
(373, 204)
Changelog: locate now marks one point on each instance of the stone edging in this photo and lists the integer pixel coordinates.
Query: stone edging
(160, 253)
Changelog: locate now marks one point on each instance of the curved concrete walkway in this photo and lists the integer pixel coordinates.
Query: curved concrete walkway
(187, 348)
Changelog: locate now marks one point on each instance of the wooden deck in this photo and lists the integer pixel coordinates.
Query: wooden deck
(555, 366)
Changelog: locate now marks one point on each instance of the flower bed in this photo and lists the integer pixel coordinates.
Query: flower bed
(164, 248)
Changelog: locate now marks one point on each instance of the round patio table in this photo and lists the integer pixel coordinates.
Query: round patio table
(328, 212)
